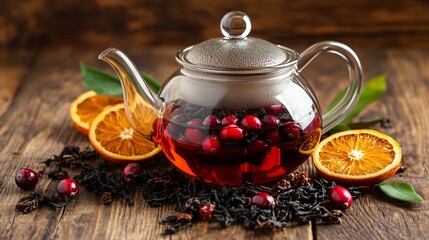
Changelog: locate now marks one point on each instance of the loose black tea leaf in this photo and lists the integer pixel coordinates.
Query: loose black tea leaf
(35, 201)
(298, 199)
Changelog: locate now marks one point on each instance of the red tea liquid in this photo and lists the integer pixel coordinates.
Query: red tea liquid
(266, 152)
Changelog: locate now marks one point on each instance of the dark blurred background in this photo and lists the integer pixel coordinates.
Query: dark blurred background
(143, 23)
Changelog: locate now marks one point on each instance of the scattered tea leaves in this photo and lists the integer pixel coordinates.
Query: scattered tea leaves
(298, 198)
(401, 191)
(36, 200)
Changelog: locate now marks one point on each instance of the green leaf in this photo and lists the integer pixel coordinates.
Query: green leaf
(371, 91)
(400, 190)
(106, 84)
(100, 82)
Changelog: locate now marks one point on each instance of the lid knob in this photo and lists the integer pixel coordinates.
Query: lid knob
(235, 25)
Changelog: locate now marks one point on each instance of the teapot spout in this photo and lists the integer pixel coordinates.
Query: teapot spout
(142, 105)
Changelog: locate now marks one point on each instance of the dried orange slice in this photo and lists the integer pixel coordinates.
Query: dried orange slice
(87, 106)
(113, 138)
(357, 157)
(308, 146)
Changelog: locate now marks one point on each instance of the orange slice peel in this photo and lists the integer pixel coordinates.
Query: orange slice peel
(310, 144)
(357, 157)
(87, 106)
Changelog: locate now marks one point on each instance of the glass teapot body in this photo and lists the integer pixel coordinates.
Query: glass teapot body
(231, 129)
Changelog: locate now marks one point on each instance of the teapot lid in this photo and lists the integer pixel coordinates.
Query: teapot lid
(235, 51)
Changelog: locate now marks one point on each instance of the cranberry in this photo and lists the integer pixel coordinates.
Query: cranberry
(258, 148)
(292, 132)
(194, 135)
(26, 178)
(179, 118)
(211, 121)
(195, 122)
(172, 130)
(275, 137)
(340, 197)
(230, 119)
(251, 122)
(276, 109)
(67, 187)
(270, 120)
(263, 200)
(231, 132)
(211, 144)
(131, 169)
(177, 111)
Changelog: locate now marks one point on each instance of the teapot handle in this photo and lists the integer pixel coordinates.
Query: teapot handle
(349, 100)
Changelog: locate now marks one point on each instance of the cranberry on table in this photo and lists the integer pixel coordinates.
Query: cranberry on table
(211, 144)
(292, 132)
(26, 178)
(67, 187)
(270, 120)
(263, 200)
(230, 119)
(340, 197)
(231, 132)
(276, 109)
(211, 121)
(131, 169)
(251, 122)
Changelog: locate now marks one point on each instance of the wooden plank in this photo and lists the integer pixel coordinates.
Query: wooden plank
(14, 67)
(147, 23)
(38, 127)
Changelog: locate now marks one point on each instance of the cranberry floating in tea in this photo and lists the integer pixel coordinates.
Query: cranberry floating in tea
(238, 110)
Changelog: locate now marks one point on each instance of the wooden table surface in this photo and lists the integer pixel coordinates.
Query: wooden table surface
(37, 87)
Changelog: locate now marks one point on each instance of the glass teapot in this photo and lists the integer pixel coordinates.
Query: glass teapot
(238, 109)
